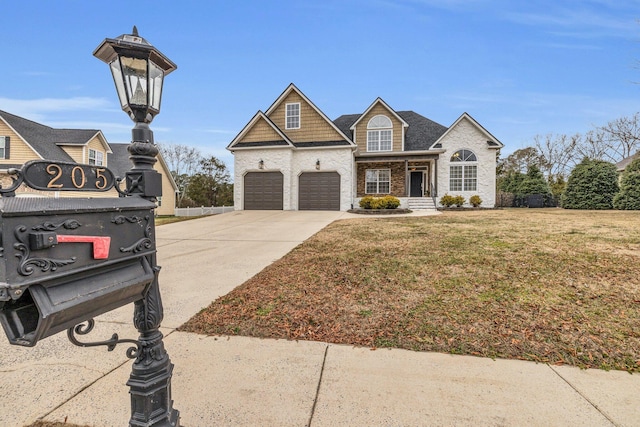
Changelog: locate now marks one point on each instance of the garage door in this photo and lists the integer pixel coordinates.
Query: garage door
(263, 190)
(319, 191)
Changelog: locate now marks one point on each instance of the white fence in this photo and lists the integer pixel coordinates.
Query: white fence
(213, 210)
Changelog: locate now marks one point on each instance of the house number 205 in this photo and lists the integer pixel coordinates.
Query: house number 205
(66, 176)
(78, 177)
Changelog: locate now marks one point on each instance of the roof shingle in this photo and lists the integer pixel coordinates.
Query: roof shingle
(419, 136)
(44, 139)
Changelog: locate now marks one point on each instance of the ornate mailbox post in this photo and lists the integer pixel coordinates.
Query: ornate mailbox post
(65, 261)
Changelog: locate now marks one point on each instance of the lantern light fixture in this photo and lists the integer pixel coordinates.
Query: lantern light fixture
(138, 71)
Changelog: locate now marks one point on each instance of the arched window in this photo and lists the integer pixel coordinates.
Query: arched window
(463, 177)
(379, 133)
(463, 156)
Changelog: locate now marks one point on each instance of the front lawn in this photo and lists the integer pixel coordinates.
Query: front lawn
(547, 285)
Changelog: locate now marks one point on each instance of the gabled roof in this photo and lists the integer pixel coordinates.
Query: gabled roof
(119, 162)
(622, 164)
(236, 143)
(45, 140)
(420, 134)
(385, 105)
(492, 141)
(293, 88)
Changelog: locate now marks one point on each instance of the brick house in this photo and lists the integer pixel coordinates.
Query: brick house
(293, 157)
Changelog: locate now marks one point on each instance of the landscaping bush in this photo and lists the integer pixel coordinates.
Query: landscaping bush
(533, 183)
(447, 200)
(475, 201)
(390, 202)
(366, 202)
(385, 202)
(592, 185)
(629, 196)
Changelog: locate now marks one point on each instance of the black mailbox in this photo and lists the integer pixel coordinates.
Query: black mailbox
(65, 261)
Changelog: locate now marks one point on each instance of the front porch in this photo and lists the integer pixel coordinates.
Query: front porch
(412, 180)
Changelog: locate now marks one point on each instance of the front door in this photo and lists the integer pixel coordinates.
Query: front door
(416, 184)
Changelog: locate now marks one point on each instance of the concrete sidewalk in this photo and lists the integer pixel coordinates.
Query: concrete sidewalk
(238, 381)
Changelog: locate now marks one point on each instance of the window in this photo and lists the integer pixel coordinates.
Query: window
(379, 134)
(96, 157)
(292, 118)
(463, 156)
(4, 142)
(463, 177)
(378, 181)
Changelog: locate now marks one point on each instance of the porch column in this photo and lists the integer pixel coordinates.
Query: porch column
(406, 178)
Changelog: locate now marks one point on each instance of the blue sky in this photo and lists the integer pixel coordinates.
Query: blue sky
(520, 68)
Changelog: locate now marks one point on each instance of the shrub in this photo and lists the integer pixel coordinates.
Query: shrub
(366, 202)
(592, 185)
(390, 202)
(385, 202)
(533, 183)
(629, 196)
(475, 201)
(447, 200)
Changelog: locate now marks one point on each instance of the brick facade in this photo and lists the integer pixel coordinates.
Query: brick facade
(398, 178)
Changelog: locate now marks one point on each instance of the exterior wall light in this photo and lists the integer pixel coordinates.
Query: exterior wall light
(318, 164)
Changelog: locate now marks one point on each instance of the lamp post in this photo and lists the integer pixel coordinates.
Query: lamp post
(138, 71)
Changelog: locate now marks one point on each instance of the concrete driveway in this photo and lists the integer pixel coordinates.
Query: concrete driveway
(201, 260)
(241, 381)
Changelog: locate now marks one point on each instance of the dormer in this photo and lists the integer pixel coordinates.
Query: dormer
(379, 129)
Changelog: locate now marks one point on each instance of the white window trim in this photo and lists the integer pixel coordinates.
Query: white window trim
(286, 116)
(377, 182)
(465, 166)
(371, 128)
(3, 146)
(98, 157)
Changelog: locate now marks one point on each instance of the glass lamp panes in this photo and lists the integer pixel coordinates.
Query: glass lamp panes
(135, 78)
(116, 71)
(155, 87)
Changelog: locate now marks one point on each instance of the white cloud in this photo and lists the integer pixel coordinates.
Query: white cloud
(37, 109)
(582, 20)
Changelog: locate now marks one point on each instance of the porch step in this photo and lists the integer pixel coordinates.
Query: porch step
(421, 203)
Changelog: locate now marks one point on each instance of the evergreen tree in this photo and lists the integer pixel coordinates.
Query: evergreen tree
(533, 183)
(510, 182)
(557, 185)
(629, 196)
(592, 185)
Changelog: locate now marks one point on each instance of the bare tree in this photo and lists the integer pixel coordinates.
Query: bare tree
(558, 152)
(622, 136)
(521, 159)
(183, 162)
(181, 158)
(595, 146)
